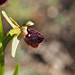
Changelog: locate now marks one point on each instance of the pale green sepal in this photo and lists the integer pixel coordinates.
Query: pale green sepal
(15, 43)
(7, 18)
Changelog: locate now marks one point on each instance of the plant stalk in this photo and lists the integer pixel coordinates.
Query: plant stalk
(2, 52)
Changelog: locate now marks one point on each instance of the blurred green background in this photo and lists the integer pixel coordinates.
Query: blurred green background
(55, 19)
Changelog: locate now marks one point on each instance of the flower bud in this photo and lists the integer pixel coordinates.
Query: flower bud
(3, 2)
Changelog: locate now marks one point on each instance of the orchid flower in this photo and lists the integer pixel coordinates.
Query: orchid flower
(31, 37)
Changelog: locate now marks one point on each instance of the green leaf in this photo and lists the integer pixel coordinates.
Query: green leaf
(15, 43)
(1, 30)
(16, 70)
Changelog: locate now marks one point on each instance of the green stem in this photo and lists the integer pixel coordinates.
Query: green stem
(2, 52)
(7, 40)
(2, 63)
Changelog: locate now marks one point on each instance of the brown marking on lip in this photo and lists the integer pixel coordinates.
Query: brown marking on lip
(33, 38)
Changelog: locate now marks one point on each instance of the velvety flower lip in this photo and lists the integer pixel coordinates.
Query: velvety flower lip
(3, 2)
(33, 38)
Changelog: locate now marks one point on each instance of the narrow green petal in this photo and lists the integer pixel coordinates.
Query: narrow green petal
(14, 22)
(16, 31)
(15, 43)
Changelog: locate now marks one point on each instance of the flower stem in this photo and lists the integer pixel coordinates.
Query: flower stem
(2, 63)
(2, 52)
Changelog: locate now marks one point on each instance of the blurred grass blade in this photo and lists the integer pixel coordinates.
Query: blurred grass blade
(16, 70)
(15, 43)
(1, 30)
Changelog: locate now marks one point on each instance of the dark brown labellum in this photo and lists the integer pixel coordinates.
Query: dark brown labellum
(3, 2)
(33, 38)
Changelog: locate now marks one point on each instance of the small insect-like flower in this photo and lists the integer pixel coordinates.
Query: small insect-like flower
(31, 37)
(3, 2)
